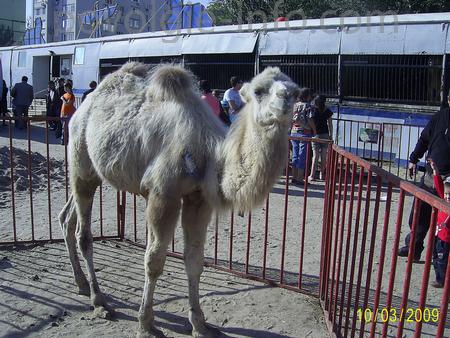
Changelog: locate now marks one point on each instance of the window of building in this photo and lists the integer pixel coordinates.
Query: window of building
(68, 8)
(108, 27)
(67, 36)
(22, 62)
(135, 23)
(79, 55)
(67, 23)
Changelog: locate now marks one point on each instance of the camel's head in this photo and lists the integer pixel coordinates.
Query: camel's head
(270, 96)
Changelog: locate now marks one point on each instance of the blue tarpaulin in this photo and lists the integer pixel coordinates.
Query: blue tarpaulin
(99, 15)
(187, 16)
(34, 35)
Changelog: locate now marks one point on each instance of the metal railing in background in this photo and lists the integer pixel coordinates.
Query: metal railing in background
(37, 186)
(387, 144)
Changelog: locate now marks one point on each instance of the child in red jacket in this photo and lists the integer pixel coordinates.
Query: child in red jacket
(442, 240)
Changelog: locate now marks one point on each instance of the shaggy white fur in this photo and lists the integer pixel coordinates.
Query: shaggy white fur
(148, 132)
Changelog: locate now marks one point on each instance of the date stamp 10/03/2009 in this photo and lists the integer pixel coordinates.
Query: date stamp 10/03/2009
(409, 315)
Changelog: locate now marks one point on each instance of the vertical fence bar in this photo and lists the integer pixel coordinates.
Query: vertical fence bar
(122, 218)
(305, 201)
(266, 234)
(101, 208)
(286, 197)
(135, 218)
(347, 246)
(407, 280)
(118, 212)
(216, 237)
(332, 202)
(426, 272)
(249, 229)
(30, 180)
(371, 253)
(398, 224)
(11, 163)
(399, 151)
(444, 303)
(362, 252)
(49, 202)
(325, 223)
(391, 147)
(355, 248)
(230, 257)
(387, 212)
(325, 226)
(336, 242)
(341, 240)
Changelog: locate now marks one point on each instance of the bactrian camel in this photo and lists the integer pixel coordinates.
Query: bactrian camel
(148, 132)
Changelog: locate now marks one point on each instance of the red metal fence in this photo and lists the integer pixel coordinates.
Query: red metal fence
(344, 259)
(366, 289)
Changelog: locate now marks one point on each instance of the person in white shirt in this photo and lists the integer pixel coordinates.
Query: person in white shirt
(233, 98)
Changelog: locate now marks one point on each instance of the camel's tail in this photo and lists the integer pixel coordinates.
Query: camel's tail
(171, 83)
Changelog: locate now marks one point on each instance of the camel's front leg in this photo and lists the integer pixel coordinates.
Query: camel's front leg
(83, 192)
(195, 218)
(162, 216)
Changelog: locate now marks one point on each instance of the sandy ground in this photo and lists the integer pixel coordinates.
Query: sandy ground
(294, 251)
(38, 298)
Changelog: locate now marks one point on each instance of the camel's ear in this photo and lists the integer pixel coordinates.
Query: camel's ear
(245, 92)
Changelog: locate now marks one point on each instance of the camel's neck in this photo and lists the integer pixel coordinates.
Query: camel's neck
(251, 160)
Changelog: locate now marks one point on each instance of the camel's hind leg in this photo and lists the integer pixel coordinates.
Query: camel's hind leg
(83, 192)
(162, 216)
(195, 219)
(68, 221)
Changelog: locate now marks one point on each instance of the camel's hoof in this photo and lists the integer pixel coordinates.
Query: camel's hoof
(153, 332)
(84, 291)
(83, 286)
(103, 312)
(207, 332)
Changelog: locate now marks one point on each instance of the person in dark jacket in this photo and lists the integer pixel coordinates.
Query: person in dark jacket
(51, 104)
(92, 87)
(23, 96)
(58, 105)
(435, 139)
(4, 102)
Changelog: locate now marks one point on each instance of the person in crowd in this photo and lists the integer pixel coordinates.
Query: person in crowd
(51, 100)
(212, 102)
(216, 94)
(442, 240)
(23, 96)
(59, 93)
(302, 126)
(435, 140)
(4, 102)
(321, 116)
(67, 110)
(92, 86)
(233, 98)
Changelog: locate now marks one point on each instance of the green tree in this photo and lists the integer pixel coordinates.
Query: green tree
(226, 12)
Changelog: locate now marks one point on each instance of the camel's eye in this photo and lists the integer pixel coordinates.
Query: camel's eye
(258, 92)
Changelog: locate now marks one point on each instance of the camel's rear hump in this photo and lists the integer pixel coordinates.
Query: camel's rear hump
(171, 83)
